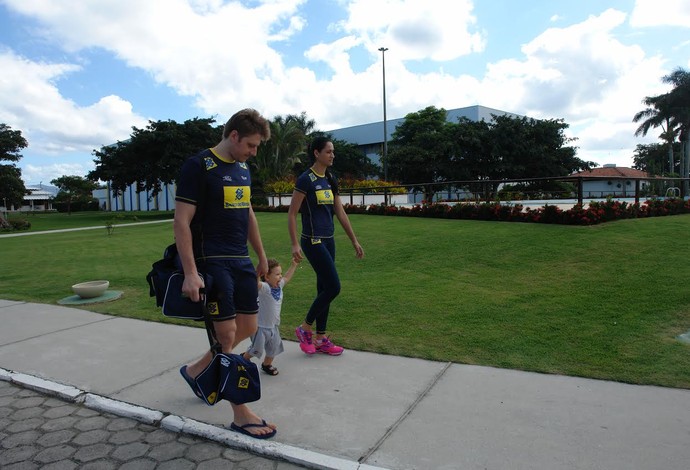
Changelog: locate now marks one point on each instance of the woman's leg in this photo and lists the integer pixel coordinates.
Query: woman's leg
(321, 256)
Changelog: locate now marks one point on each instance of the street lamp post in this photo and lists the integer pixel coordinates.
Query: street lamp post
(385, 127)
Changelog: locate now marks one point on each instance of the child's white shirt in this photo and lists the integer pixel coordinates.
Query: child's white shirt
(270, 303)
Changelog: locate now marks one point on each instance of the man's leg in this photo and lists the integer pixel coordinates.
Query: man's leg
(245, 327)
(225, 333)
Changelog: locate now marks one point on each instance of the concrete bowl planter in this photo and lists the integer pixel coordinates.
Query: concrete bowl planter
(90, 289)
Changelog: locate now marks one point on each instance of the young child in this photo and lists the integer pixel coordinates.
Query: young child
(267, 337)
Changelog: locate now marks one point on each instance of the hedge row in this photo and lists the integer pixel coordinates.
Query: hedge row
(594, 213)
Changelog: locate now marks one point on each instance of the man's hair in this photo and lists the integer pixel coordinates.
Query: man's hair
(248, 122)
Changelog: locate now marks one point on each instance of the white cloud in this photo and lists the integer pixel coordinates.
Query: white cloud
(52, 124)
(225, 56)
(44, 174)
(417, 29)
(216, 53)
(584, 74)
(649, 13)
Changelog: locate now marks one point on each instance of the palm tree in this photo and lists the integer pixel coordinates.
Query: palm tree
(276, 158)
(658, 114)
(679, 106)
(306, 125)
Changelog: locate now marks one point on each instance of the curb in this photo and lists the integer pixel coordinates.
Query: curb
(183, 425)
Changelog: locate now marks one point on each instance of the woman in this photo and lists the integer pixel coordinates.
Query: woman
(316, 197)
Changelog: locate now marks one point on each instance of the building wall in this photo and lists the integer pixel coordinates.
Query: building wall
(130, 200)
(613, 187)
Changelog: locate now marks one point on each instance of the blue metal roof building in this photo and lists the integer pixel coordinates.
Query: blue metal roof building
(369, 137)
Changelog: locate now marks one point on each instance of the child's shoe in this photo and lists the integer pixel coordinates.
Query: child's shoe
(305, 343)
(326, 347)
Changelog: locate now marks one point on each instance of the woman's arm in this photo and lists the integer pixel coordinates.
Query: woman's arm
(345, 222)
(295, 204)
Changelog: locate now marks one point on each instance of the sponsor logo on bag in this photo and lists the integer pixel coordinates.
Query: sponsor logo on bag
(211, 399)
(212, 308)
(225, 362)
(242, 382)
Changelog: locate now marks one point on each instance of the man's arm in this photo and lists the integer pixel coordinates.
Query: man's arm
(184, 213)
(255, 241)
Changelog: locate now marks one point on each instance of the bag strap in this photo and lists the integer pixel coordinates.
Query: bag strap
(210, 329)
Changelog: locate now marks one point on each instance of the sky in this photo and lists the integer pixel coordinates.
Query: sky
(78, 75)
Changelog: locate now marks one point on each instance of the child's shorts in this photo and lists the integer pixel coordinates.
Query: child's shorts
(266, 340)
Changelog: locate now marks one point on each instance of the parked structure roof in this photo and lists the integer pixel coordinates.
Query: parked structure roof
(613, 171)
(372, 133)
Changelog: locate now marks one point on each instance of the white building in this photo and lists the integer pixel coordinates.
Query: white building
(39, 199)
(611, 180)
(131, 200)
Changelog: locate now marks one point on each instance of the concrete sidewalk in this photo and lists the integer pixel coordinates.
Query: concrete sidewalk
(359, 410)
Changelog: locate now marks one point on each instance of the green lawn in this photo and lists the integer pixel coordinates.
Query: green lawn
(605, 301)
(50, 221)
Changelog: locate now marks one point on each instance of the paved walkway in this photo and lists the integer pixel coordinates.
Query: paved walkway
(40, 431)
(357, 411)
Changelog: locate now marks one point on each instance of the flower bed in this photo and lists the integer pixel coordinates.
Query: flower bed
(594, 213)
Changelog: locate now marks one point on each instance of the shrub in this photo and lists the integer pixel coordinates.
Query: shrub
(595, 213)
(281, 186)
(19, 224)
(365, 186)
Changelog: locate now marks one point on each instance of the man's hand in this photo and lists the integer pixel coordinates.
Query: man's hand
(191, 287)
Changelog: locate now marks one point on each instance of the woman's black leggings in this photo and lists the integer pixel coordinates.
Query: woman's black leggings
(321, 255)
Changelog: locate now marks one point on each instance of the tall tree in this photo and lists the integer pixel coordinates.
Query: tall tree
(73, 189)
(658, 114)
(153, 156)
(651, 158)
(533, 148)
(679, 104)
(418, 151)
(351, 162)
(12, 189)
(276, 158)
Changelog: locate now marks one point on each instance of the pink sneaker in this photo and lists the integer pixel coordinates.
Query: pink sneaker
(326, 347)
(305, 343)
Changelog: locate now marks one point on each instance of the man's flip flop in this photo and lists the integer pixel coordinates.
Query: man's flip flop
(190, 381)
(243, 430)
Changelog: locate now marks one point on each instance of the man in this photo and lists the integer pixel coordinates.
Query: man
(213, 221)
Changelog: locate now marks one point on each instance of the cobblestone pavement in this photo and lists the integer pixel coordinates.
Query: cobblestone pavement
(39, 431)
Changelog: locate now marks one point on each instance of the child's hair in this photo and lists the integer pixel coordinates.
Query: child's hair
(272, 263)
(316, 145)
